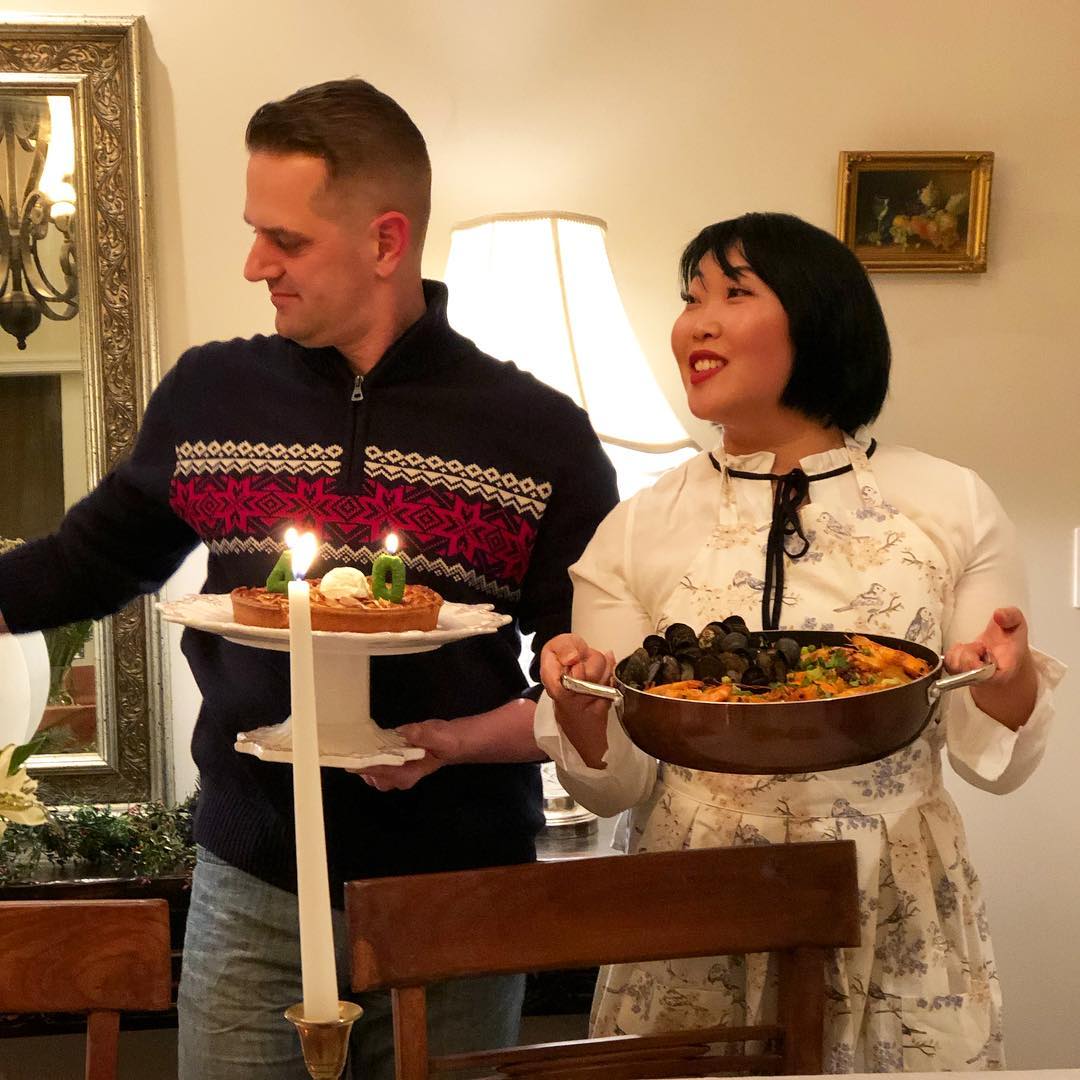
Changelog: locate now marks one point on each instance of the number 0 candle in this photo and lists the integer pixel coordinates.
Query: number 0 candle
(388, 564)
(312, 880)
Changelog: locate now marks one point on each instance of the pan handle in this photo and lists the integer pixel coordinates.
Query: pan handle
(964, 678)
(580, 686)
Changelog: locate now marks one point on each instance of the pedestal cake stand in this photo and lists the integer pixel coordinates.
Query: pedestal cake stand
(348, 737)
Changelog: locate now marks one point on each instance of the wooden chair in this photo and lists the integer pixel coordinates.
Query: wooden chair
(799, 900)
(85, 956)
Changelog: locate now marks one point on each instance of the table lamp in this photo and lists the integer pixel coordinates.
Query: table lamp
(537, 288)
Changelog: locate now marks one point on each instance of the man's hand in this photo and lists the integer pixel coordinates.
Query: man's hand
(503, 734)
(442, 743)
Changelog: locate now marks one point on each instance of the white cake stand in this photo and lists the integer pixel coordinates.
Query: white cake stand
(348, 737)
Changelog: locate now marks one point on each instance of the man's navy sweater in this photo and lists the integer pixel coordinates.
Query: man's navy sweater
(493, 481)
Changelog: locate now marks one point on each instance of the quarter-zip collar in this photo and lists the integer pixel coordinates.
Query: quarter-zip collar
(421, 349)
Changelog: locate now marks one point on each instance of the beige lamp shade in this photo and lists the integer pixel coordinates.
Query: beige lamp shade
(538, 289)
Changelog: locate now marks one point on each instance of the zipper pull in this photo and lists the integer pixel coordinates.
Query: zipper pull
(358, 389)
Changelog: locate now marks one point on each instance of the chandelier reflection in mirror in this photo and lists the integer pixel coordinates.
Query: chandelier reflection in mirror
(37, 245)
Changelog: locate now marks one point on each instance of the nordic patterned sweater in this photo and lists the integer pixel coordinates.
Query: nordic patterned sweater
(493, 481)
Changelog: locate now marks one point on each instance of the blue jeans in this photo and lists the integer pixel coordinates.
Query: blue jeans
(242, 970)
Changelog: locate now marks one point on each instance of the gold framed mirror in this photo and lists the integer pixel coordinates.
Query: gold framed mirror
(84, 376)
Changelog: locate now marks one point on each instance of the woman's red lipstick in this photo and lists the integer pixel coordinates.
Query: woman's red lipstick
(706, 372)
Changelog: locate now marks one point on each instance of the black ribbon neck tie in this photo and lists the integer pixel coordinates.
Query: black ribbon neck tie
(792, 490)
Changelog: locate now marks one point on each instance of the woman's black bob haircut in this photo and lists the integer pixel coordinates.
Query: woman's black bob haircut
(840, 374)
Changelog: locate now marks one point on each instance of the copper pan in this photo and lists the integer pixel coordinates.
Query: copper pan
(785, 736)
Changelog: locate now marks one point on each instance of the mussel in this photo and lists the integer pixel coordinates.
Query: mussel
(655, 645)
(735, 642)
(764, 662)
(634, 670)
(689, 655)
(790, 650)
(734, 665)
(771, 664)
(710, 668)
(724, 649)
(679, 636)
(664, 669)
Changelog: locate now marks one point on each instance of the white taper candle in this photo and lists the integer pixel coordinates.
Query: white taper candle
(312, 882)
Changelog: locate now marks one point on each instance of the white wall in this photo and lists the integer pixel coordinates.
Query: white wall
(660, 118)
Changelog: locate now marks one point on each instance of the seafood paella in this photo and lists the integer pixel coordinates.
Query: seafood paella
(726, 662)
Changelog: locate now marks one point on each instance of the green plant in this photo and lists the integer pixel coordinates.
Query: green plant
(144, 840)
(64, 644)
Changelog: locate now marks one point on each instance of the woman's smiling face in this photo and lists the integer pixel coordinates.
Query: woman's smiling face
(733, 345)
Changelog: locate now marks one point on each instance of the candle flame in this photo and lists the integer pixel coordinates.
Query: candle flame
(391, 543)
(304, 548)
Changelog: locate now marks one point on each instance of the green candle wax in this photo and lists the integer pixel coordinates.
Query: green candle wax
(388, 566)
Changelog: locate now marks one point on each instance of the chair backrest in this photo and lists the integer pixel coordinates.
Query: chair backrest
(799, 900)
(86, 956)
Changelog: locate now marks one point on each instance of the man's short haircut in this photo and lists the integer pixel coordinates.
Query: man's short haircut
(361, 133)
(840, 372)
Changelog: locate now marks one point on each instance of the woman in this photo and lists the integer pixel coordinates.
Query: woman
(799, 520)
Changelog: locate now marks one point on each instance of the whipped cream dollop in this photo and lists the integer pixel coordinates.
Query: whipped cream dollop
(345, 581)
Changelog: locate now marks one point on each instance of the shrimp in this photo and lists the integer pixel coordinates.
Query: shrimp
(870, 656)
(688, 688)
(720, 692)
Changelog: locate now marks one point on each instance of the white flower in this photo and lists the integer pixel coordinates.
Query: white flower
(18, 798)
(929, 195)
(957, 204)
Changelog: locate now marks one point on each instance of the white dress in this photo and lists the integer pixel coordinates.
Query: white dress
(901, 544)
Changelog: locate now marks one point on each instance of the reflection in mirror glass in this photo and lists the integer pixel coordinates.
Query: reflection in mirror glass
(42, 408)
(76, 291)
(38, 253)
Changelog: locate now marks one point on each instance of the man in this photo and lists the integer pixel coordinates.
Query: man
(365, 413)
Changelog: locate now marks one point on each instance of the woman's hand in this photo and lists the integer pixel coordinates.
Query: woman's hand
(582, 718)
(1009, 695)
(440, 738)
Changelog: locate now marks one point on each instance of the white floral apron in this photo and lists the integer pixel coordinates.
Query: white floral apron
(921, 993)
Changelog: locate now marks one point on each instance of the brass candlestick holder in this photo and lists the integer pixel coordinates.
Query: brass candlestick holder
(325, 1042)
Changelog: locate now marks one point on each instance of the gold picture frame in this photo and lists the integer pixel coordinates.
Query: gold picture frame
(97, 62)
(915, 210)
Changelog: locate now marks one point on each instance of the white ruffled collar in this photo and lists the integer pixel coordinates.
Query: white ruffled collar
(761, 461)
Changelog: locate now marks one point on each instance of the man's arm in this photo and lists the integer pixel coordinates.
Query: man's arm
(122, 540)
(500, 735)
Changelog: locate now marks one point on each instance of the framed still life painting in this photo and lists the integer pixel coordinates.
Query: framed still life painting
(915, 210)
